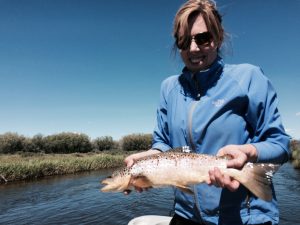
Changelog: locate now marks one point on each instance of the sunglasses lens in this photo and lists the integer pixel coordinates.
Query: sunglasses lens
(203, 38)
(183, 44)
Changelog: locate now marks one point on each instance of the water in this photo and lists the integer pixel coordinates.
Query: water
(287, 185)
(76, 199)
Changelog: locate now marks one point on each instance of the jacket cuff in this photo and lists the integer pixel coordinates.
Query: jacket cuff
(267, 153)
(161, 146)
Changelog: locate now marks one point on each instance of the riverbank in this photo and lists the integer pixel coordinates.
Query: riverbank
(295, 148)
(18, 167)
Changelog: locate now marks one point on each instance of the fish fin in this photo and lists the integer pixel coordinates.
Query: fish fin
(182, 149)
(140, 181)
(257, 178)
(185, 189)
(178, 149)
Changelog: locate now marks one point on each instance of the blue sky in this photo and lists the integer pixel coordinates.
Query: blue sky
(95, 67)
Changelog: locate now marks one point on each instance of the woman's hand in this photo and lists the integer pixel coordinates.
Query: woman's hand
(131, 159)
(240, 155)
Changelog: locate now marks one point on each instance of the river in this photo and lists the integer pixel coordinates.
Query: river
(76, 199)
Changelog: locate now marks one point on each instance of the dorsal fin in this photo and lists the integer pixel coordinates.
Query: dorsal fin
(182, 149)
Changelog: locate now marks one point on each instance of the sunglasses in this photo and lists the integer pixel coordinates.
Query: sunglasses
(202, 39)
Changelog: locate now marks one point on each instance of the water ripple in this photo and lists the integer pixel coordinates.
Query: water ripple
(76, 199)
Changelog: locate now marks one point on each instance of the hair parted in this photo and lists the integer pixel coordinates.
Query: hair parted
(191, 9)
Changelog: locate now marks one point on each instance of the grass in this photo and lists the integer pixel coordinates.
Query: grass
(31, 166)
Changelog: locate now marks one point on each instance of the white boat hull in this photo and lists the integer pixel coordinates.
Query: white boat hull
(150, 220)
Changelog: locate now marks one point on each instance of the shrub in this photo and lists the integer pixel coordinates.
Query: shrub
(135, 142)
(35, 144)
(11, 143)
(295, 145)
(38, 143)
(295, 149)
(104, 143)
(67, 143)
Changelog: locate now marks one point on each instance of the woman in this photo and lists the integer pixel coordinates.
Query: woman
(216, 108)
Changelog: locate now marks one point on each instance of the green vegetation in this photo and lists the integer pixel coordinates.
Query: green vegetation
(295, 148)
(68, 142)
(23, 158)
(136, 142)
(105, 143)
(30, 166)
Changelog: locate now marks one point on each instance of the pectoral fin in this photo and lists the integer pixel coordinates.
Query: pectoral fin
(185, 189)
(140, 182)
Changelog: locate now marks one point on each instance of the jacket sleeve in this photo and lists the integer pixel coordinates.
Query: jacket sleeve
(269, 137)
(161, 137)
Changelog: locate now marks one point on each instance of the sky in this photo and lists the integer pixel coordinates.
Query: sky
(95, 66)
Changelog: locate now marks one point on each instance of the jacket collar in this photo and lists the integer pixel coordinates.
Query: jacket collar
(201, 81)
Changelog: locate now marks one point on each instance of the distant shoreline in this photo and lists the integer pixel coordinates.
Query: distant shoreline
(20, 167)
(30, 166)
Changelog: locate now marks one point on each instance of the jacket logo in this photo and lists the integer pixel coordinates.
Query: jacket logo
(218, 102)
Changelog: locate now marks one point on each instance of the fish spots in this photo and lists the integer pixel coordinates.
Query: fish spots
(183, 169)
(121, 172)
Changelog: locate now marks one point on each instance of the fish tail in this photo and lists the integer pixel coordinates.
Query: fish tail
(257, 178)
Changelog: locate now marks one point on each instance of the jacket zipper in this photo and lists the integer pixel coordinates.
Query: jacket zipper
(193, 147)
(190, 127)
(190, 135)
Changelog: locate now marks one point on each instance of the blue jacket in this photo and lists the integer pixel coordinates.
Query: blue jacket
(227, 104)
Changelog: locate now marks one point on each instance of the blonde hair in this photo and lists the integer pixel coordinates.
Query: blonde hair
(191, 9)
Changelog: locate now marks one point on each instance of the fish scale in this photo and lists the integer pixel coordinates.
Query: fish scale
(184, 169)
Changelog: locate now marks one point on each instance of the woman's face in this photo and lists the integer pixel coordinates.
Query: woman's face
(196, 57)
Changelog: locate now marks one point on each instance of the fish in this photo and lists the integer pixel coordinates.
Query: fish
(182, 170)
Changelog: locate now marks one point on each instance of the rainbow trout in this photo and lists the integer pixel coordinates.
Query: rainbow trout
(184, 169)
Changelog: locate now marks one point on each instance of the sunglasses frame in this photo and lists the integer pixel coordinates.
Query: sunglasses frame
(201, 39)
